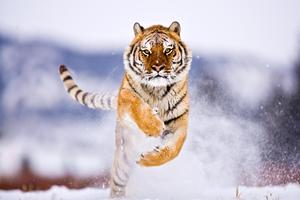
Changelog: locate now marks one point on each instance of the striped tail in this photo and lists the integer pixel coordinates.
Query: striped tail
(103, 101)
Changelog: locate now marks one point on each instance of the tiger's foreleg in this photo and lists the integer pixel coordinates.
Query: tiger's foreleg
(129, 104)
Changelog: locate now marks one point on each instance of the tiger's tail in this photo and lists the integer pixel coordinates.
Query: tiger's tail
(105, 101)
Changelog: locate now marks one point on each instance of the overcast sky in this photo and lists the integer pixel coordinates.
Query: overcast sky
(266, 28)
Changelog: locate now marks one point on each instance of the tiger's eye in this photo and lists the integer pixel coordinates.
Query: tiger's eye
(146, 52)
(168, 51)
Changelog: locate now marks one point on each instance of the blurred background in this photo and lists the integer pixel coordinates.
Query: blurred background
(244, 83)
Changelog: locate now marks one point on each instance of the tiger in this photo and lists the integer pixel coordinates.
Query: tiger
(152, 101)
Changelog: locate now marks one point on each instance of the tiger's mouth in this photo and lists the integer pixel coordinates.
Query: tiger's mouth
(158, 75)
(158, 79)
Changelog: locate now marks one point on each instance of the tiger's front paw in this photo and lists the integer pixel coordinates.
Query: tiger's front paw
(156, 157)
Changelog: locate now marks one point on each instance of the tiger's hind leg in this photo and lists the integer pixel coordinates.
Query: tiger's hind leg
(119, 175)
(121, 169)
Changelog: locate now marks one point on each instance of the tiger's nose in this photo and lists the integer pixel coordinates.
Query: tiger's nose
(158, 68)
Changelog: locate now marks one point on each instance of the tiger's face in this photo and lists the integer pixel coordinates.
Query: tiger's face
(157, 57)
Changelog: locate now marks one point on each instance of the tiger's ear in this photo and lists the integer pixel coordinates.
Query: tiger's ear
(175, 27)
(137, 28)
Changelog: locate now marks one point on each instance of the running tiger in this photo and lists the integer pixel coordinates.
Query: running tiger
(152, 101)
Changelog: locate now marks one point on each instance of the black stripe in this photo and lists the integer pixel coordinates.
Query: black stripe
(175, 53)
(183, 46)
(130, 85)
(137, 64)
(134, 63)
(102, 100)
(177, 62)
(177, 103)
(118, 171)
(148, 40)
(130, 52)
(140, 60)
(133, 48)
(62, 69)
(175, 118)
(178, 91)
(168, 89)
(84, 97)
(164, 39)
(77, 93)
(133, 69)
(71, 88)
(118, 184)
(125, 173)
(129, 63)
(67, 78)
(119, 177)
(180, 51)
(109, 101)
(181, 66)
(93, 100)
(186, 59)
(148, 89)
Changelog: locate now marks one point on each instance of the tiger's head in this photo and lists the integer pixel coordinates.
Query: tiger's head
(157, 56)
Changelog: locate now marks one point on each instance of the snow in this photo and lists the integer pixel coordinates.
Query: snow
(220, 146)
(56, 193)
(287, 192)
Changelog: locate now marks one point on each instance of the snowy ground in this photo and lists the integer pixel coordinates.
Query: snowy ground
(288, 192)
